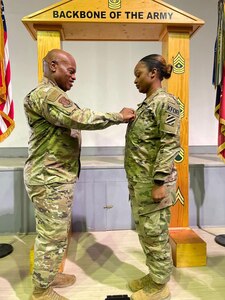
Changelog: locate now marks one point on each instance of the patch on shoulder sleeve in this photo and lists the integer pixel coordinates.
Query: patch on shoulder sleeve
(172, 110)
(53, 95)
(170, 118)
(65, 102)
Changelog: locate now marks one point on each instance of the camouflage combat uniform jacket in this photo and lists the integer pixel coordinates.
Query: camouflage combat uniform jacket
(55, 140)
(152, 139)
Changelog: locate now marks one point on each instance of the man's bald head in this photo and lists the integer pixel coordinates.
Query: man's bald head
(55, 55)
(59, 65)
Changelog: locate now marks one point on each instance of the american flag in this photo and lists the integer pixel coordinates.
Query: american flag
(219, 78)
(7, 123)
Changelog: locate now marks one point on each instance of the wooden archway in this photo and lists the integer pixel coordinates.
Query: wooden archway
(129, 20)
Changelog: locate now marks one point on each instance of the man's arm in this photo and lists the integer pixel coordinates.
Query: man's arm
(61, 111)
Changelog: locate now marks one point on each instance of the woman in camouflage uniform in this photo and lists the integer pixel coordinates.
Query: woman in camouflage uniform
(152, 143)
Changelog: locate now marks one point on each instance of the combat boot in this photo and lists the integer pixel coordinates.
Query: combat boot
(46, 294)
(138, 284)
(63, 280)
(152, 291)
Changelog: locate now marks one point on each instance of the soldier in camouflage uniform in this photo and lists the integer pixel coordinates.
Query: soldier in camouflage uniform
(152, 143)
(53, 165)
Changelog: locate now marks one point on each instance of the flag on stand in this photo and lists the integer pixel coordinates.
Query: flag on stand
(219, 78)
(7, 123)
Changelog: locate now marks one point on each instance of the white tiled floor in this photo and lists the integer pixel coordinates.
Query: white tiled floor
(104, 261)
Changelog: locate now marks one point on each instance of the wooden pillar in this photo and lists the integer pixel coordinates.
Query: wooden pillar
(188, 249)
(46, 40)
(176, 50)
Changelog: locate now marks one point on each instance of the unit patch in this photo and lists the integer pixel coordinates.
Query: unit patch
(53, 95)
(170, 120)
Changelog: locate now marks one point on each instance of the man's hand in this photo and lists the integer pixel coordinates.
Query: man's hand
(158, 193)
(128, 114)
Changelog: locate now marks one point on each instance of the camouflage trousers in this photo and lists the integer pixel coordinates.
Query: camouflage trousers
(53, 206)
(152, 229)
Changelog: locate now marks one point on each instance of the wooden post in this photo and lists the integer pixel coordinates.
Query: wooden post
(176, 50)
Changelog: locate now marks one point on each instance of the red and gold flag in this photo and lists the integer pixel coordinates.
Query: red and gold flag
(7, 123)
(219, 78)
(221, 119)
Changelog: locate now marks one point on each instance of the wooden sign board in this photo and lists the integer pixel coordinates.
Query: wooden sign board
(110, 19)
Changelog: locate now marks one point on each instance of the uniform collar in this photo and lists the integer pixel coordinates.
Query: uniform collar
(149, 99)
(45, 80)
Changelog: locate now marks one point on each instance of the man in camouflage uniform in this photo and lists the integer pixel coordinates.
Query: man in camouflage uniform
(152, 143)
(53, 165)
